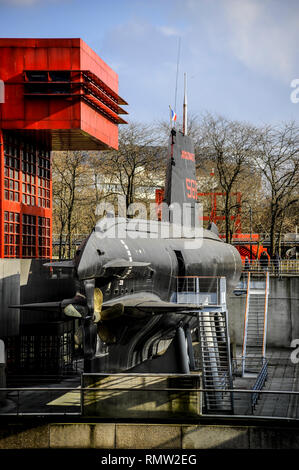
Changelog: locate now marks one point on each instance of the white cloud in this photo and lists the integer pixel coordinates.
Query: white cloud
(228, 46)
(169, 31)
(263, 37)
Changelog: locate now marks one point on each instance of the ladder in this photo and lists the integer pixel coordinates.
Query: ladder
(255, 324)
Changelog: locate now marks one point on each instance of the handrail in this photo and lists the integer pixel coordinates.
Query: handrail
(245, 325)
(260, 382)
(19, 406)
(145, 389)
(265, 315)
(260, 333)
(273, 266)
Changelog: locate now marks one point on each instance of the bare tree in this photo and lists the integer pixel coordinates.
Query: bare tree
(137, 163)
(277, 158)
(262, 164)
(69, 183)
(228, 144)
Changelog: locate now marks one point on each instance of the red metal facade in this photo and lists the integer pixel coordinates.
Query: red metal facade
(59, 95)
(26, 198)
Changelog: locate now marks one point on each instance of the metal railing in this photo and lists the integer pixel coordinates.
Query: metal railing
(207, 290)
(255, 320)
(264, 238)
(280, 404)
(19, 401)
(275, 268)
(259, 384)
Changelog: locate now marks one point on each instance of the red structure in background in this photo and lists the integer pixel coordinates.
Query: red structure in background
(159, 200)
(59, 95)
(252, 250)
(213, 217)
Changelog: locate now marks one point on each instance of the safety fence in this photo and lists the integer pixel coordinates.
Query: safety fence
(74, 402)
(207, 290)
(275, 267)
(259, 384)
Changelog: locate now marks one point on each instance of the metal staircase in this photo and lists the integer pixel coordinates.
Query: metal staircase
(255, 323)
(215, 358)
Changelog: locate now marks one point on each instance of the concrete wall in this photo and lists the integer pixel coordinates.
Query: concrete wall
(26, 281)
(141, 403)
(10, 270)
(283, 317)
(146, 436)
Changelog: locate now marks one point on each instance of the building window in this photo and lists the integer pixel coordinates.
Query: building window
(11, 234)
(27, 180)
(47, 83)
(44, 237)
(29, 160)
(44, 165)
(44, 176)
(11, 171)
(28, 236)
(28, 189)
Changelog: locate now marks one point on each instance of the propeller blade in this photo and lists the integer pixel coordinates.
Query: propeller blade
(105, 334)
(113, 312)
(78, 336)
(97, 302)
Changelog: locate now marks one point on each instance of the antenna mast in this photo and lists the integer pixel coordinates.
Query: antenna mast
(177, 74)
(185, 106)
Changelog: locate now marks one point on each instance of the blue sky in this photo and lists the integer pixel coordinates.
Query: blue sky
(240, 56)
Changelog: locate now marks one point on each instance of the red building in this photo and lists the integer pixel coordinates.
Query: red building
(59, 95)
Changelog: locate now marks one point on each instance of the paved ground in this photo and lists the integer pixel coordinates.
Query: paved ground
(283, 375)
(44, 402)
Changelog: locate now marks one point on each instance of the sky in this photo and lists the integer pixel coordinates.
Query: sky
(240, 56)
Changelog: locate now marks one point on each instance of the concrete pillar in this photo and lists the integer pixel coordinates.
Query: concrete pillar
(2, 369)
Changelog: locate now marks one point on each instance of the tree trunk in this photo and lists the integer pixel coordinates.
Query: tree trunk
(69, 236)
(227, 221)
(60, 245)
(272, 235)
